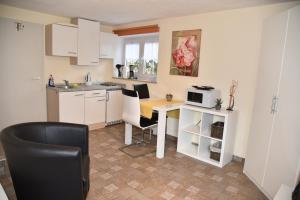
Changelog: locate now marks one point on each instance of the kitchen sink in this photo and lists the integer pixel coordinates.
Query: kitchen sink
(71, 86)
(108, 84)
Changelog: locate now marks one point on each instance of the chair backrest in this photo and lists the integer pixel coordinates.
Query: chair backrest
(143, 90)
(131, 107)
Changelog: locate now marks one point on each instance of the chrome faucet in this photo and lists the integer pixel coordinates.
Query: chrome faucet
(67, 84)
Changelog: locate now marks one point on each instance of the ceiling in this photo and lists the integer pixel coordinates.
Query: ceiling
(115, 12)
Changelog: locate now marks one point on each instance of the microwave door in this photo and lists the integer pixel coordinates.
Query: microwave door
(195, 97)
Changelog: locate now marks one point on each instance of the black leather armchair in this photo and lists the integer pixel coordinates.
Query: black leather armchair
(48, 160)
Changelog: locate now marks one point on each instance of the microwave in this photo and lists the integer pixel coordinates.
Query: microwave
(202, 96)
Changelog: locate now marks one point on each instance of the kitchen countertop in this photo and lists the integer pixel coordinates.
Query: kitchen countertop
(83, 87)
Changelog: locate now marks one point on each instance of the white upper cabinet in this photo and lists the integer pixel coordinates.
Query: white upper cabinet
(61, 40)
(108, 43)
(88, 42)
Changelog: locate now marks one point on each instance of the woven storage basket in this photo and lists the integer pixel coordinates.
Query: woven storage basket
(215, 151)
(217, 130)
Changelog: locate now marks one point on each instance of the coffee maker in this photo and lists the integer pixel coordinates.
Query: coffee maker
(131, 72)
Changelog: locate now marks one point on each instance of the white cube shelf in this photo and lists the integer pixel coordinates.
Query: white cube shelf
(194, 133)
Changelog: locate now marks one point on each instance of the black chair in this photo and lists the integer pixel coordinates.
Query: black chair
(296, 192)
(143, 90)
(48, 160)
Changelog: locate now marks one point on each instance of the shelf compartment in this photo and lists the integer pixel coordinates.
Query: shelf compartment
(188, 143)
(194, 129)
(189, 117)
(206, 134)
(204, 150)
(207, 121)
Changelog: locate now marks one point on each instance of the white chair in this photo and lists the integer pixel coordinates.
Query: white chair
(132, 113)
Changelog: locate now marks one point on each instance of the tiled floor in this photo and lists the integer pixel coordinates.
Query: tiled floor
(114, 175)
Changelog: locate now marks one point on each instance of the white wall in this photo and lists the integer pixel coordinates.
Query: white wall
(229, 50)
(59, 67)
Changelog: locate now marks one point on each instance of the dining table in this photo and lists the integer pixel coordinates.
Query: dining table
(164, 108)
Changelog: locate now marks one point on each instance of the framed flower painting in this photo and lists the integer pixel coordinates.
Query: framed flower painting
(185, 52)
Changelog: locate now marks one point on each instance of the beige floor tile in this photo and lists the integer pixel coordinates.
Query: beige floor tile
(115, 175)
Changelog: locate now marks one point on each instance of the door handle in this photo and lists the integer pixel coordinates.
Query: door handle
(274, 104)
(78, 95)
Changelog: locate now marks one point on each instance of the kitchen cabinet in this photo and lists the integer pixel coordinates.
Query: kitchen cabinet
(95, 107)
(114, 106)
(82, 107)
(87, 43)
(273, 153)
(71, 107)
(108, 42)
(61, 40)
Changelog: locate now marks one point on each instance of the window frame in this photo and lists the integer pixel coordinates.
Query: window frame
(141, 40)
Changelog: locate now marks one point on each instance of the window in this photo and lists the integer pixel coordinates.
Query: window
(141, 57)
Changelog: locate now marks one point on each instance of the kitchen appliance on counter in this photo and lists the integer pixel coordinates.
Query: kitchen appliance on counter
(203, 96)
(88, 79)
(119, 67)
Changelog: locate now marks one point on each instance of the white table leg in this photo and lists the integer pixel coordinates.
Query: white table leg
(161, 132)
(128, 133)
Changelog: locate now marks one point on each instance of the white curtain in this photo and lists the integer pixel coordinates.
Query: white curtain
(151, 51)
(132, 51)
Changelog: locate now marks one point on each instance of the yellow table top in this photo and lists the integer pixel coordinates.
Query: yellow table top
(147, 107)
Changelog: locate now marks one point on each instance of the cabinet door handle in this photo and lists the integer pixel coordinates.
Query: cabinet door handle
(101, 99)
(78, 95)
(72, 52)
(96, 93)
(95, 62)
(107, 96)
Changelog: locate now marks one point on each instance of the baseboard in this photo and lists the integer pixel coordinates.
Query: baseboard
(96, 126)
(238, 159)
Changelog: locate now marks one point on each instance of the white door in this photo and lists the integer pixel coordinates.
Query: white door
(285, 144)
(64, 40)
(267, 86)
(95, 110)
(23, 94)
(114, 106)
(71, 107)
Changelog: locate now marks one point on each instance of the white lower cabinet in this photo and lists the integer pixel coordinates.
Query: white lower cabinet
(71, 107)
(81, 107)
(195, 136)
(95, 110)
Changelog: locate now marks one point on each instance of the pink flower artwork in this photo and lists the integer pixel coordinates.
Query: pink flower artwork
(185, 54)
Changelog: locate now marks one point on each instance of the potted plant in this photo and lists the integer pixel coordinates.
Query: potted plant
(218, 104)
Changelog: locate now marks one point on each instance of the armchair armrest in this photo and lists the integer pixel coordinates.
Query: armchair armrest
(68, 134)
